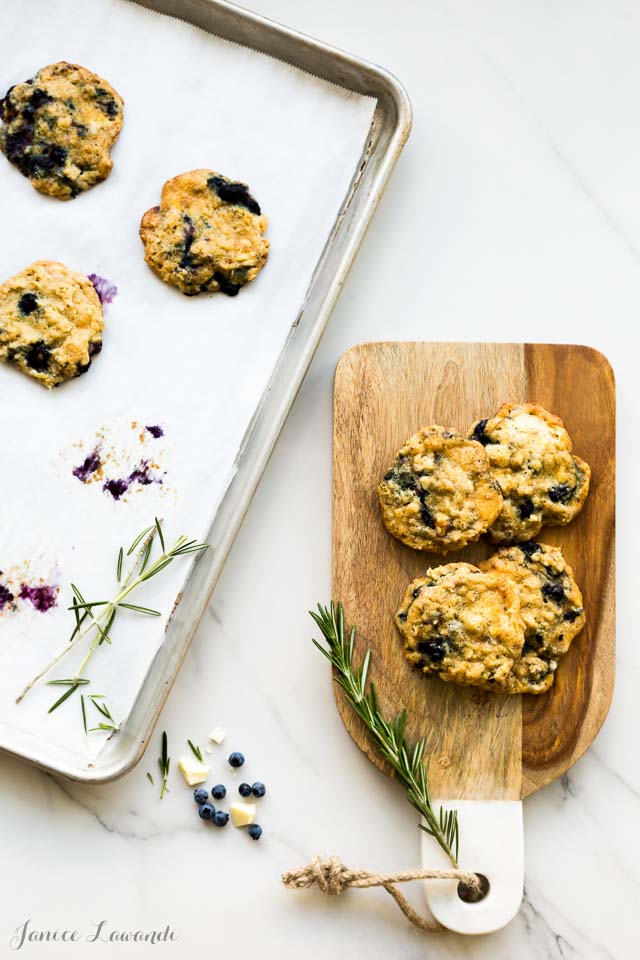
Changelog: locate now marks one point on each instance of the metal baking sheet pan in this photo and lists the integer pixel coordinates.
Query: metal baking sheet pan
(267, 56)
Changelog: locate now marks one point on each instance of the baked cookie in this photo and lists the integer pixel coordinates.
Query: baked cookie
(50, 322)
(462, 624)
(59, 128)
(206, 235)
(541, 481)
(550, 599)
(439, 494)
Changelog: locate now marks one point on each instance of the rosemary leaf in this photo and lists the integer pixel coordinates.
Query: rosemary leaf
(155, 568)
(161, 535)
(164, 763)
(139, 540)
(72, 681)
(388, 736)
(84, 713)
(146, 554)
(119, 565)
(88, 606)
(197, 752)
(65, 696)
(150, 779)
(147, 610)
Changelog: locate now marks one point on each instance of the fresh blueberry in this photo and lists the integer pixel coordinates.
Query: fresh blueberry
(236, 759)
(258, 789)
(244, 790)
(207, 811)
(221, 818)
(200, 795)
(255, 831)
(27, 303)
(219, 792)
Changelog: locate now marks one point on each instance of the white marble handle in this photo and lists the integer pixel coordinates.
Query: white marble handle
(491, 843)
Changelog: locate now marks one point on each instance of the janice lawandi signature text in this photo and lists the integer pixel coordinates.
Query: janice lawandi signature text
(101, 931)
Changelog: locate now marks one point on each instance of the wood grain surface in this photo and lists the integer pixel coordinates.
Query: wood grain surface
(481, 746)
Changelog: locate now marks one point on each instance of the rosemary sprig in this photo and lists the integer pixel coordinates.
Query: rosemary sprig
(101, 621)
(165, 763)
(388, 736)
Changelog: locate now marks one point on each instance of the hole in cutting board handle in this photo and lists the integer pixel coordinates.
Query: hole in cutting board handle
(469, 894)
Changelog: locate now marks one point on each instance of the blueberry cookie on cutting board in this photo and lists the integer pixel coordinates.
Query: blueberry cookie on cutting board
(542, 482)
(439, 494)
(59, 127)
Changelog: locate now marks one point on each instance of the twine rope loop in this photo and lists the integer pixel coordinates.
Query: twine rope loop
(333, 878)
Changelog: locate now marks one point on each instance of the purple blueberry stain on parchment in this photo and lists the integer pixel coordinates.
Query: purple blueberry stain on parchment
(141, 474)
(155, 430)
(43, 597)
(6, 596)
(88, 467)
(106, 290)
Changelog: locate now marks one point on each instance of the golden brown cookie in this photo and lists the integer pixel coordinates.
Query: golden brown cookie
(206, 235)
(541, 481)
(463, 625)
(50, 322)
(439, 494)
(550, 603)
(59, 128)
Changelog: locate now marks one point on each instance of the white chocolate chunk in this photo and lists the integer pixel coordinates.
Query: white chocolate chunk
(242, 814)
(217, 734)
(193, 771)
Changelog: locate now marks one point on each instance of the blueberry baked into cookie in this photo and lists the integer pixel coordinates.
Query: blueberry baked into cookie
(59, 128)
(550, 607)
(462, 624)
(439, 494)
(50, 322)
(541, 481)
(206, 235)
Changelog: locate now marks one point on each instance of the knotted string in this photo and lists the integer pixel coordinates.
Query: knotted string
(332, 877)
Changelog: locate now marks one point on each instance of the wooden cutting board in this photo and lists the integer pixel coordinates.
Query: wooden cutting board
(481, 746)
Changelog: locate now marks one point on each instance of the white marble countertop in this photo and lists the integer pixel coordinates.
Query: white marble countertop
(513, 214)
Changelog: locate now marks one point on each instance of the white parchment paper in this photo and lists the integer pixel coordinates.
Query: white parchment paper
(197, 366)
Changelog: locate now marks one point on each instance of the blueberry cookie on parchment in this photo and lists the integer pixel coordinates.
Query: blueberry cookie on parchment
(550, 607)
(439, 494)
(463, 625)
(541, 481)
(59, 128)
(206, 235)
(50, 322)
